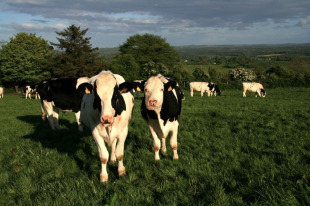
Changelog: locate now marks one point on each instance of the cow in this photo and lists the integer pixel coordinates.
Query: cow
(161, 108)
(64, 94)
(253, 87)
(201, 87)
(1, 92)
(28, 90)
(107, 112)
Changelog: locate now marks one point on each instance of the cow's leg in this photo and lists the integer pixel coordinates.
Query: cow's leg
(77, 117)
(244, 93)
(258, 93)
(192, 92)
(156, 143)
(174, 140)
(119, 152)
(201, 93)
(103, 155)
(113, 146)
(163, 145)
(49, 113)
(56, 117)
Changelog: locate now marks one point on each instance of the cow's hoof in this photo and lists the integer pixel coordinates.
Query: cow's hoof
(175, 157)
(103, 178)
(122, 172)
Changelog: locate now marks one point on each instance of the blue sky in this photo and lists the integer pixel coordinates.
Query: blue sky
(180, 22)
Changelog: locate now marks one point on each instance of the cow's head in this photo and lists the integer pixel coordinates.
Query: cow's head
(262, 92)
(108, 98)
(211, 86)
(154, 90)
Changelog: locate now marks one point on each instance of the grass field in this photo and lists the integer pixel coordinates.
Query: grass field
(233, 151)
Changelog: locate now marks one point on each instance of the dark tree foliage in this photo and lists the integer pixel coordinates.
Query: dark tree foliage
(151, 53)
(24, 60)
(77, 58)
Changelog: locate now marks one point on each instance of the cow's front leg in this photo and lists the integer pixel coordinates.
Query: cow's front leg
(163, 145)
(77, 117)
(156, 143)
(56, 117)
(174, 140)
(103, 155)
(113, 146)
(119, 152)
(244, 94)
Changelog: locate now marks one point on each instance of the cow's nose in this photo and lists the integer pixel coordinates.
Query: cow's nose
(152, 102)
(106, 119)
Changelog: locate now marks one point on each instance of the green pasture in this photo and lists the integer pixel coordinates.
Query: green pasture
(233, 151)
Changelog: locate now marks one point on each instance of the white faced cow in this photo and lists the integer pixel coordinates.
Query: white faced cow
(201, 87)
(253, 87)
(1, 92)
(107, 112)
(161, 108)
(64, 94)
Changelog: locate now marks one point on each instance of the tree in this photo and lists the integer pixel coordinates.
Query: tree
(152, 53)
(78, 57)
(24, 60)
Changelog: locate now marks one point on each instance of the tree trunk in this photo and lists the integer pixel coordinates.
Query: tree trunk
(16, 88)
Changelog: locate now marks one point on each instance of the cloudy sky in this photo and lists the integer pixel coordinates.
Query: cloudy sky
(180, 22)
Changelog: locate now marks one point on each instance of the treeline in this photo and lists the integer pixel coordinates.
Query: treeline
(28, 59)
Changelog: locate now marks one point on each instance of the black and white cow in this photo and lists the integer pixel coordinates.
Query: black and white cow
(214, 89)
(29, 90)
(107, 112)
(64, 94)
(161, 108)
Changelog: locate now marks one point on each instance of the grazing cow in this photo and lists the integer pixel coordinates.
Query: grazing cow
(64, 94)
(1, 92)
(161, 108)
(28, 90)
(107, 112)
(254, 87)
(201, 87)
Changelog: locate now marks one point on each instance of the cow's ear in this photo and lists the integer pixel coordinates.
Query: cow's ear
(169, 86)
(139, 86)
(128, 86)
(86, 88)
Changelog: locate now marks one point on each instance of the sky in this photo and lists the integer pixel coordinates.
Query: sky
(181, 22)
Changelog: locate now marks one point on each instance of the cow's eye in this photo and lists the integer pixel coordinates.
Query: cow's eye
(161, 89)
(145, 90)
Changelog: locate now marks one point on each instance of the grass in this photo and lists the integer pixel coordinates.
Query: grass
(233, 151)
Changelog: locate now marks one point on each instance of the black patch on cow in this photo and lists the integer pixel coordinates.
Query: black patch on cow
(217, 89)
(171, 107)
(211, 86)
(97, 100)
(79, 95)
(262, 91)
(63, 93)
(117, 101)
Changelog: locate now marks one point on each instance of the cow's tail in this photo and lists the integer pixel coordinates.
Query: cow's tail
(217, 89)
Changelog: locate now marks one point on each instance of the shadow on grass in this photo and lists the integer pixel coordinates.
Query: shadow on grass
(67, 140)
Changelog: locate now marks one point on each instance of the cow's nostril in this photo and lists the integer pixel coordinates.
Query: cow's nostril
(152, 102)
(106, 119)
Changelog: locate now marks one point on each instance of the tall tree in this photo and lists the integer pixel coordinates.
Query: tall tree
(24, 60)
(77, 58)
(150, 52)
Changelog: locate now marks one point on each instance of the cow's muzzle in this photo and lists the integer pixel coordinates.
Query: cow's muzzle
(106, 120)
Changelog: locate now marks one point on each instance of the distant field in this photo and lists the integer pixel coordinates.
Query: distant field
(233, 151)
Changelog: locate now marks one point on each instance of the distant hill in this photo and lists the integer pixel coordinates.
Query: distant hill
(229, 50)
